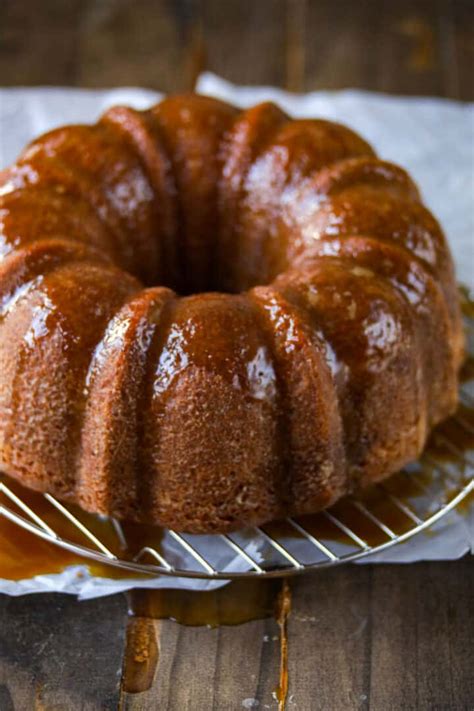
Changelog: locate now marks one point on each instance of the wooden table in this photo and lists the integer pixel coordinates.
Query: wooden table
(359, 637)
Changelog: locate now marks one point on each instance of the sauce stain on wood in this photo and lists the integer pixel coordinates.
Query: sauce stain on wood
(237, 602)
(284, 610)
(141, 655)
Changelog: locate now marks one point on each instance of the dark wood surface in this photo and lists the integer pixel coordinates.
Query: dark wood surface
(359, 637)
(407, 47)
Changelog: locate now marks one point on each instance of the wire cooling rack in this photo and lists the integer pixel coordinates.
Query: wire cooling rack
(387, 514)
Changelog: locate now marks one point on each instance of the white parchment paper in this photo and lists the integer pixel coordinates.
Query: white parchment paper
(432, 138)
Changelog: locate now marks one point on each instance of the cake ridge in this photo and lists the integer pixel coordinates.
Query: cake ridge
(300, 365)
(144, 135)
(313, 289)
(108, 174)
(118, 367)
(85, 224)
(75, 184)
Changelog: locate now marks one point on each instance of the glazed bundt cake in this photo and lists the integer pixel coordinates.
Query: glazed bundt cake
(302, 341)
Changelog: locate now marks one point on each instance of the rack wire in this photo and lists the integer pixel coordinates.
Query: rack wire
(387, 514)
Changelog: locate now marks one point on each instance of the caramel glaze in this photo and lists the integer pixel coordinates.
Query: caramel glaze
(330, 353)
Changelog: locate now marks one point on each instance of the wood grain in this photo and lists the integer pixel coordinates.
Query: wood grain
(201, 668)
(422, 632)
(458, 54)
(339, 46)
(390, 632)
(39, 42)
(149, 43)
(359, 637)
(407, 47)
(245, 41)
(329, 639)
(57, 653)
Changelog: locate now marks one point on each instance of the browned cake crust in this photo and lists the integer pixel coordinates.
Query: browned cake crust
(326, 347)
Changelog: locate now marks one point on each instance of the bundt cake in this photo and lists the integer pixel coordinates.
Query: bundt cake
(213, 318)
